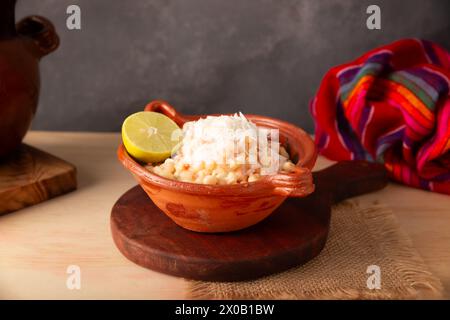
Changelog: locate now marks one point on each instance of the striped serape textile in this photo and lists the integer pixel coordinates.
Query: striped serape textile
(391, 105)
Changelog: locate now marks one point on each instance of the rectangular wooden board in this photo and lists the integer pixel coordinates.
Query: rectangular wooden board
(30, 176)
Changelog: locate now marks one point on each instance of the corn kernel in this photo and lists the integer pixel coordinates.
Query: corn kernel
(210, 180)
(219, 172)
(179, 166)
(186, 176)
(253, 177)
(166, 174)
(230, 178)
(157, 170)
(169, 165)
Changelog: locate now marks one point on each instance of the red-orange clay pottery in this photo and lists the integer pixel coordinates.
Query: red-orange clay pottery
(21, 48)
(222, 208)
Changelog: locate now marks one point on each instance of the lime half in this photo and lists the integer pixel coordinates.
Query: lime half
(150, 136)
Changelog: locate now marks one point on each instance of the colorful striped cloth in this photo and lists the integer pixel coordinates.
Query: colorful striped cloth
(391, 105)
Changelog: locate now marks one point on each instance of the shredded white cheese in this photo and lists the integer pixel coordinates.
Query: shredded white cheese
(225, 150)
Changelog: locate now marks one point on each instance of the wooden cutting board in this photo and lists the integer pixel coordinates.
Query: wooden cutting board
(293, 234)
(30, 176)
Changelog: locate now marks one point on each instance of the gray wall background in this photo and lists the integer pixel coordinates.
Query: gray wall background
(207, 56)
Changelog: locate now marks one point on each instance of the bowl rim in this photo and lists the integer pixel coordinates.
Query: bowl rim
(261, 186)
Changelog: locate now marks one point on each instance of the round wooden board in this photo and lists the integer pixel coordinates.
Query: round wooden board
(293, 234)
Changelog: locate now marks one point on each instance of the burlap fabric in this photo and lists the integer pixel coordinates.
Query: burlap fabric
(359, 237)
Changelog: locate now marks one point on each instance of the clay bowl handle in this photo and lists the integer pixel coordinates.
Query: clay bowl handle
(41, 31)
(166, 109)
(296, 184)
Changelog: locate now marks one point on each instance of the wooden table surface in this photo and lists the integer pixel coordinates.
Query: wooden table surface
(38, 243)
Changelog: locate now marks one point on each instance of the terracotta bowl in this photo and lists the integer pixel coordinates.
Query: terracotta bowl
(222, 208)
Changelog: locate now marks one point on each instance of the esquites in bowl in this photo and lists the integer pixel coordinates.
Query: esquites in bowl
(219, 173)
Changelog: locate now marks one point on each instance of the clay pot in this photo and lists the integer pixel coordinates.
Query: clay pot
(222, 208)
(21, 48)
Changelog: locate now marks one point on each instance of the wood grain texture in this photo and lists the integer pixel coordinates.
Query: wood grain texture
(38, 243)
(30, 176)
(293, 234)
